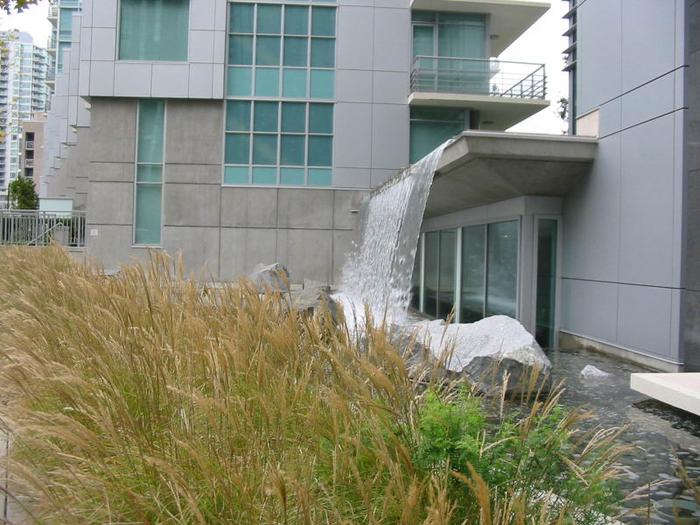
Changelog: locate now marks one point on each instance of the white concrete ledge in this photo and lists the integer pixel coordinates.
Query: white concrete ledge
(678, 390)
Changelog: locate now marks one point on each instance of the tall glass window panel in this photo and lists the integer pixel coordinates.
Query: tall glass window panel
(265, 149)
(502, 279)
(293, 117)
(240, 50)
(446, 281)
(431, 271)
(265, 118)
(267, 50)
(296, 20)
(322, 83)
(423, 41)
(294, 83)
(241, 18)
(295, 51)
(431, 127)
(320, 151)
(148, 214)
(269, 18)
(321, 118)
(292, 150)
(323, 21)
(239, 82)
(473, 273)
(237, 148)
(267, 81)
(151, 127)
(153, 30)
(322, 52)
(546, 282)
(238, 115)
(320, 177)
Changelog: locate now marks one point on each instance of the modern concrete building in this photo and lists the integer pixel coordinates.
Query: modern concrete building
(23, 92)
(240, 132)
(32, 146)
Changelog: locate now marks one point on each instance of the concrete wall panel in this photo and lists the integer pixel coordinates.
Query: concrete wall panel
(248, 207)
(244, 248)
(199, 248)
(194, 132)
(111, 203)
(311, 209)
(113, 130)
(306, 253)
(191, 205)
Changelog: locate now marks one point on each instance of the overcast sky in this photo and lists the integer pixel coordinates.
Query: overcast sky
(541, 43)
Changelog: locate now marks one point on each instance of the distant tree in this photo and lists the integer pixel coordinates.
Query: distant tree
(16, 5)
(22, 194)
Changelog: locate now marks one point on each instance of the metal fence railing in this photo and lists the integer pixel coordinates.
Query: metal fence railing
(479, 77)
(38, 228)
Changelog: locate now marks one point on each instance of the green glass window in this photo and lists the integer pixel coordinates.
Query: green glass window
(267, 82)
(265, 149)
(430, 127)
(293, 117)
(237, 115)
(240, 50)
(295, 51)
(292, 176)
(293, 150)
(236, 175)
(296, 20)
(240, 81)
(269, 18)
(320, 118)
(320, 151)
(322, 83)
(320, 177)
(150, 137)
(264, 175)
(149, 172)
(237, 149)
(294, 83)
(322, 52)
(153, 30)
(267, 50)
(241, 18)
(265, 116)
(323, 21)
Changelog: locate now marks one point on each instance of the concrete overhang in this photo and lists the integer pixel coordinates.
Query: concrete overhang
(497, 113)
(482, 168)
(508, 18)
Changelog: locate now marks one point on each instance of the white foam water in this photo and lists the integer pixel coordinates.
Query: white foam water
(378, 272)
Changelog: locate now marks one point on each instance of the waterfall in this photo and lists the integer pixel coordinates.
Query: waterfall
(378, 272)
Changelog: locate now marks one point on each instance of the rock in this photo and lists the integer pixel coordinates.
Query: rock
(309, 301)
(591, 373)
(483, 352)
(273, 277)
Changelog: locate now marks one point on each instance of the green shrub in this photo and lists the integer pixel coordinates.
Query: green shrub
(147, 398)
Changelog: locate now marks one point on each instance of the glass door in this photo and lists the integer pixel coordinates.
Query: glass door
(545, 308)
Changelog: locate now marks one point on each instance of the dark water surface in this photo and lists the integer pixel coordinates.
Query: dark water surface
(665, 439)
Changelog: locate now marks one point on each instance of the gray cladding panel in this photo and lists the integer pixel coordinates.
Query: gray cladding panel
(392, 39)
(645, 319)
(353, 136)
(355, 37)
(590, 308)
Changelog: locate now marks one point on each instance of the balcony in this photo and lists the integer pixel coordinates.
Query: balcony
(53, 14)
(504, 93)
(508, 19)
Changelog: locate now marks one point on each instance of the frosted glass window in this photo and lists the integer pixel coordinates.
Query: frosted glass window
(320, 151)
(295, 51)
(237, 115)
(269, 18)
(240, 50)
(265, 149)
(237, 149)
(294, 83)
(267, 50)
(241, 18)
(267, 82)
(236, 175)
(264, 175)
(148, 214)
(240, 81)
(294, 117)
(296, 20)
(265, 116)
(320, 177)
(292, 176)
(322, 83)
(502, 260)
(320, 118)
(150, 137)
(153, 29)
(322, 52)
(323, 21)
(293, 150)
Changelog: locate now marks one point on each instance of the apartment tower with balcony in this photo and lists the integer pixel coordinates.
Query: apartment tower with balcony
(23, 92)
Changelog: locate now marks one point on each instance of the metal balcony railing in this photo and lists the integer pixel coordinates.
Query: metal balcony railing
(473, 76)
(38, 228)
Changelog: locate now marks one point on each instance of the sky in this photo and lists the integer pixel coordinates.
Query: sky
(542, 43)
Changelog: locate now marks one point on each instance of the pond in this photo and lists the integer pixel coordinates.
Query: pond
(664, 438)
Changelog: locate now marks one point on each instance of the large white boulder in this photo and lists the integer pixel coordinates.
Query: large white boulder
(485, 351)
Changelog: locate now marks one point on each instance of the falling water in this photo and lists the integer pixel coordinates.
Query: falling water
(379, 271)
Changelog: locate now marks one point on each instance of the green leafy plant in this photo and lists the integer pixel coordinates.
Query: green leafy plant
(22, 194)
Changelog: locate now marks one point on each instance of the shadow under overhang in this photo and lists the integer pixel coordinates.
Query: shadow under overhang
(482, 168)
